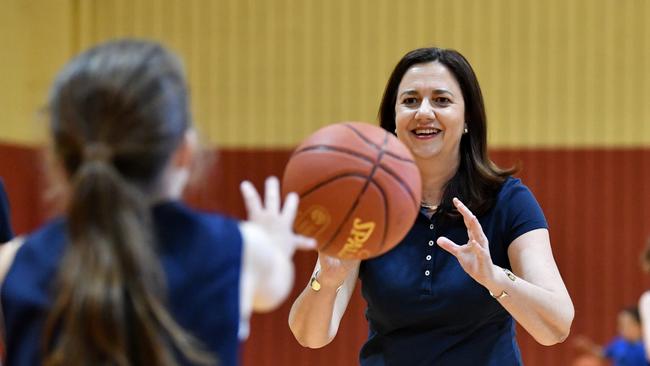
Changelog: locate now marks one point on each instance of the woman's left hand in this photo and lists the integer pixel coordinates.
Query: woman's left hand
(275, 220)
(474, 256)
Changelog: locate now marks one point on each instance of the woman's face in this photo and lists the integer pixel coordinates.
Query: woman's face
(628, 327)
(430, 112)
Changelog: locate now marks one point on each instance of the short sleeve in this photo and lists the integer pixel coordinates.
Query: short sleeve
(521, 210)
(5, 222)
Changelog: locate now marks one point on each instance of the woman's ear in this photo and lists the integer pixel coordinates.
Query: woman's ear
(186, 150)
(58, 184)
(178, 171)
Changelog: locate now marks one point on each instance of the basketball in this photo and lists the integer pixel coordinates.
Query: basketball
(359, 189)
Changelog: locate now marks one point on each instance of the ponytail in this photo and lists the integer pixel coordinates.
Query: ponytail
(109, 306)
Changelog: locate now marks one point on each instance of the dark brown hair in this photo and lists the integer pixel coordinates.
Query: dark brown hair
(478, 178)
(117, 112)
(633, 311)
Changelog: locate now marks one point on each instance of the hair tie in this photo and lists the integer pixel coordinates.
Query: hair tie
(97, 151)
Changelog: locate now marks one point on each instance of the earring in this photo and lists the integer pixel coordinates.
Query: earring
(465, 130)
(395, 131)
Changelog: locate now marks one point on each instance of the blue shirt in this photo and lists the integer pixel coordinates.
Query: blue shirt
(626, 353)
(5, 222)
(424, 309)
(201, 256)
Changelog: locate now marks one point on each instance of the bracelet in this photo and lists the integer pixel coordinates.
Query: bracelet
(503, 294)
(316, 286)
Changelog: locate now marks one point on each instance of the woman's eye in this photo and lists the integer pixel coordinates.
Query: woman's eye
(409, 101)
(442, 100)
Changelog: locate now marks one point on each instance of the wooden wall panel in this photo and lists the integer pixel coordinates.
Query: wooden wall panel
(597, 202)
(22, 170)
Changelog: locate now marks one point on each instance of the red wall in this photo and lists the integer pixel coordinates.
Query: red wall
(596, 202)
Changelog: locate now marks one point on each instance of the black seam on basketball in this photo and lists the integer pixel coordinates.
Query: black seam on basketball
(383, 239)
(321, 184)
(363, 190)
(367, 141)
(403, 184)
(328, 181)
(383, 194)
(334, 148)
(385, 199)
(390, 172)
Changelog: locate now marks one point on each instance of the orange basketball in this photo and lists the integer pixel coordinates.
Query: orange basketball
(359, 189)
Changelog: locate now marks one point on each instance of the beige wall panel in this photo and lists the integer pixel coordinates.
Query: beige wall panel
(266, 73)
(35, 40)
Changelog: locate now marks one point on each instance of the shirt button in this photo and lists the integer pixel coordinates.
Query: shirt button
(428, 257)
(431, 226)
(430, 243)
(426, 273)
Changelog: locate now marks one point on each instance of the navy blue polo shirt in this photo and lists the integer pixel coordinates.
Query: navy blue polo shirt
(200, 253)
(423, 309)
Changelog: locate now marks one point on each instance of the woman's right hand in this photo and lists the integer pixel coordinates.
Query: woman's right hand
(333, 271)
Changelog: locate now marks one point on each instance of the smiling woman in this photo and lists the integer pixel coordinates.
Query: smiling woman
(493, 263)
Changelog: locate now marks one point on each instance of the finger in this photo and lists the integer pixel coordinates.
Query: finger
(474, 228)
(252, 200)
(272, 194)
(476, 247)
(449, 246)
(290, 208)
(464, 211)
(305, 242)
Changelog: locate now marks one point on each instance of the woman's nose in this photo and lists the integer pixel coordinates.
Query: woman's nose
(425, 110)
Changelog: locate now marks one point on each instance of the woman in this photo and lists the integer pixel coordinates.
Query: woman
(130, 275)
(450, 303)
